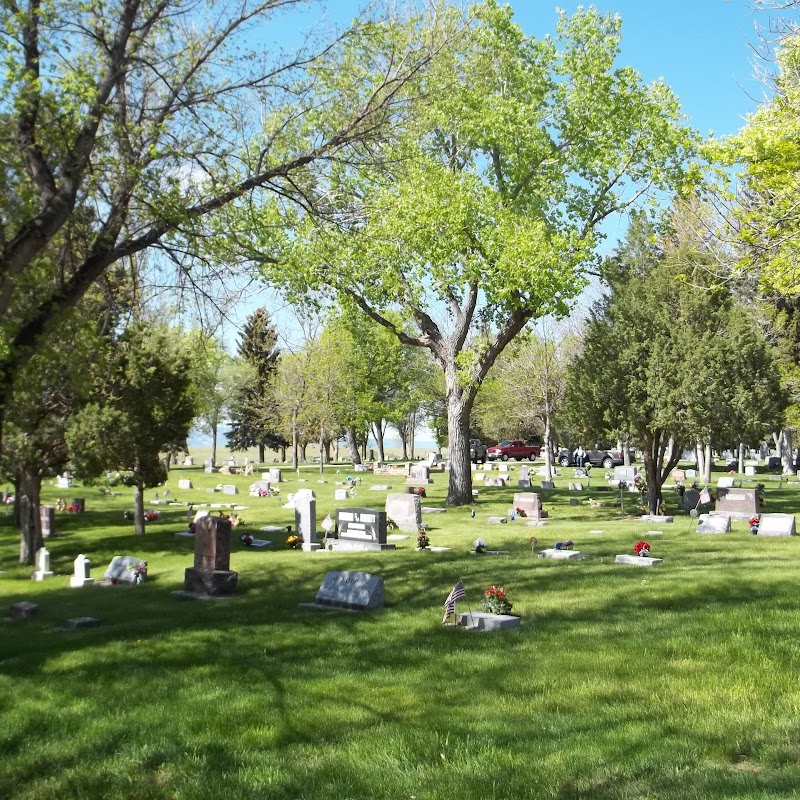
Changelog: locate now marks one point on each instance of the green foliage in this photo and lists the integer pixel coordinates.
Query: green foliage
(145, 405)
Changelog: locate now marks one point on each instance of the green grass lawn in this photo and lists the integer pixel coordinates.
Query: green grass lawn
(677, 681)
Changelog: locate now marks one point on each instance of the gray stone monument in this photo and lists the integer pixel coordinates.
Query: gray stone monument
(404, 510)
(777, 525)
(122, 569)
(305, 518)
(737, 503)
(47, 514)
(184, 483)
(355, 591)
(211, 573)
(713, 523)
(274, 475)
(419, 473)
(360, 529)
(531, 504)
(691, 498)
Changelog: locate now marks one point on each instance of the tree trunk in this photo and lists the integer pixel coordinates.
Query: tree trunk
(352, 444)
(548, 449)
(261, 452)
(30, 522)
(214, 431)
(283, 453)
(741, 458)
(786, 452)
(657, 469)
(138, 507)
(460, 487)
(709, 463)
(377, 432)
(321, 453)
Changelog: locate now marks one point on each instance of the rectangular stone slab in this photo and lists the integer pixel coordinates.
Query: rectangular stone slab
(777, 525)
(564, 555)
(638, 561)
(481, 621)
(358, 591)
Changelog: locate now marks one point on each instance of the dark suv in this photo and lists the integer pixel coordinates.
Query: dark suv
(597, 457)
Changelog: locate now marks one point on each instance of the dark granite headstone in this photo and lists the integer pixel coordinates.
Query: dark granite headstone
(211, 573)
(360, 529)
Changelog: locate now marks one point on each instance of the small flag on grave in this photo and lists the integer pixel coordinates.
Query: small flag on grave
(705, 496)
(457, 593)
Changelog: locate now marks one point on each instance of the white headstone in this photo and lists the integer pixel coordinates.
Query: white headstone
(80, 576)
(777, 525)
(713, 523)
(121, 569)
(305, 518)
(340, 494)
(200, 514)
(404, 510)
(638, 561)
(274, 475)
(565, 555)
(185, 483)
(691, 473)
(42, 570)
(725, 482)
(230, 488)
(749, 470)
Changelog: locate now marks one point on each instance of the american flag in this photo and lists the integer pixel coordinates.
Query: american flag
(457, 593)
(705, 496)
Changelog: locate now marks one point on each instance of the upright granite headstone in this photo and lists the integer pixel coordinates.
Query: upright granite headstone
(725, 482)
(122, 569)
(305, 518)
(691, 498)
(627, 474)
(357, 591)
(419, 473)
(230, 488)
(47, 514)
(524, 481)
(274, 475)
(360, 529)
(404, 510)
(185, 483)
(530, 503)
(777, 525)
(737, 503)
(211, 573)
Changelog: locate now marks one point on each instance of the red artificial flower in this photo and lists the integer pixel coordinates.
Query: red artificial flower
(641, 547)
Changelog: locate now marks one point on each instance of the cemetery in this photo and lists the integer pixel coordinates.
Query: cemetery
(306, 638)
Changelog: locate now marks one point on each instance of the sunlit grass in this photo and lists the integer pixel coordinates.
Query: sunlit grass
(678, 681)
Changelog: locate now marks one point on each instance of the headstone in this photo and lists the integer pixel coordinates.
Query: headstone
(772, 462)
(23, 610)
(494, 481)
(502, 467)
(47, 514)
(576, 487)
(691, 473)
(305, 518)
(691, 498)
(737, 503)
(497, 520)
(80, 575)
(360, 529)
(482, 621)
(627, 474)
(419, 473)
(209, 466)
(81, 622)
(679, 475)
(64, 481)
(274, 475)
(404, 510)
(530, 503)
(656, 518)
(777, 525)
(122, 570)
(725, 482)
(548, 485)
(712, 523)
(185, 483)
(257, 487)
(638, 561)
(356, 591)
(200, 514)
(749, 470)
(42, 570)
(230, 488)
(340, 494)
(211, 574)
(524, 472)
(566, 555)
(188, 461)
(80, 504)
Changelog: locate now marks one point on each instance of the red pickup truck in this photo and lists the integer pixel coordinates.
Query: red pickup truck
(513, 448)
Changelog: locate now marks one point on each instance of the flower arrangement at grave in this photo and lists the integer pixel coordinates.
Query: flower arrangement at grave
(246, 539)
(294, 542)
(61, 504)
(139, 570)
(640, 484)
(566, 545)
(520, 512)
(152, 516)
(236, 519)
(421, 492)
(479, 546)
(641, 548)
(423, 541)
(495, 601)
(754, 522)
(73, 509)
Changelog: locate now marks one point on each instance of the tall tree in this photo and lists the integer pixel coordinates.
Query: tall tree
(515, 154)
(125, 123)
(144, 404)
(659, 354)
(254, 420)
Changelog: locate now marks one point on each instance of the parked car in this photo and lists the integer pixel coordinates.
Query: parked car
(605, 457)
(513, 448)
(477, 451)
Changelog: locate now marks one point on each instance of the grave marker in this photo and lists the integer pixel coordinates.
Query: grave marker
(80, 576)
(42, 570)
(185, 483)
(360, 529)
(777, 525)
(305, 518)
(211, 574)
(531, 504)
(737, 503)
(404, 510)
(122, 570)
(355, 591)
(47, 515)
(712, 523)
